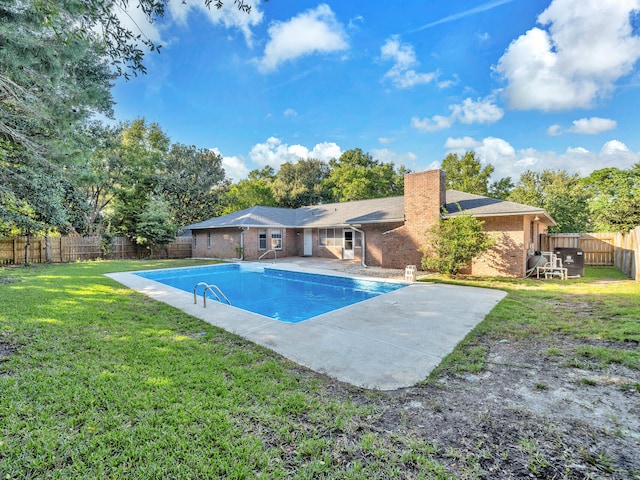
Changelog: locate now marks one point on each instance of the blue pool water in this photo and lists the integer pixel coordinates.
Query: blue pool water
(280, 294)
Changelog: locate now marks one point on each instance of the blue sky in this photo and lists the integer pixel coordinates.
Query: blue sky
(526, 84)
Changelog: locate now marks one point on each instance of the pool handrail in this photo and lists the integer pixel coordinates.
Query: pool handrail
(214, 289)
(275, 255)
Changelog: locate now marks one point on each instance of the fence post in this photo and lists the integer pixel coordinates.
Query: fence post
(635, 258)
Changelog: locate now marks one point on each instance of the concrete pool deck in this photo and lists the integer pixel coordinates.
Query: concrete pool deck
(388, 342)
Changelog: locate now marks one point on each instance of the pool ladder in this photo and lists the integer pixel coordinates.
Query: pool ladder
(275, 255)
(215, 291)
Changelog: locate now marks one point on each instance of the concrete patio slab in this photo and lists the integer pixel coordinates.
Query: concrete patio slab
(388, 342)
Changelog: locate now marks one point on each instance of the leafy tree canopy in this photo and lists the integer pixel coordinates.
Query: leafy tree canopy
(192, 182)
(357, 176)
(558, 193)
(614, 198)
(255, 190)
(467, 174)
(301, 183)
(99, 21)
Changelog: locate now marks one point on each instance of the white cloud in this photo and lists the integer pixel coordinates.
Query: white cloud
(593, 125)
(315, 30)
(588, 45)
(274, 153)
(572, 150)
(509, 162)
(356, 21)
(398, 159)
(584, 126)
(386, 140)
(325, 151)
(614, 147)
(290, 112)
(404, 57)
(468, 112)
(435, 123)
(228, 15)
(463, 143)
(495, 150)
(554, 130)
(235, 168)
(482, 111)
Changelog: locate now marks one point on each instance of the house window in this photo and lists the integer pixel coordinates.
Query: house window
(276, 239)
(209, 240)
(357, 239)
(330, 237)
(262, 239)
(195, 240)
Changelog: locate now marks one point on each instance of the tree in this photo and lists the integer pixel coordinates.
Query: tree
(191, 183)
(467, 174)
(453, 243)
(100, 23)
(47, 87)
(301, 183)
(501, 188)
(558, 193)
(32, 198)
(140, 161)
(357, 176)
(614, 198)
(255, 190)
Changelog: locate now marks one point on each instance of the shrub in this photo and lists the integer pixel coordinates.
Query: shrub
(453, 242)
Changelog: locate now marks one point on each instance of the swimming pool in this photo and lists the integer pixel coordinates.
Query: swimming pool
(284, 295)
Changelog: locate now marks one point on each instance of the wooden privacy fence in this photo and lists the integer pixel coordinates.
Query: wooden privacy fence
(620, 250)
(75, 247)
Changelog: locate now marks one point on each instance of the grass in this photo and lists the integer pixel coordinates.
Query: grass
(603, 306)
(99, 381)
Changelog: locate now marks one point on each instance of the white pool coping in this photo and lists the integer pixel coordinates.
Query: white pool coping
(387, 342)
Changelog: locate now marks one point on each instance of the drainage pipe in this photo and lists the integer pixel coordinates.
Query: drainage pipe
(241, 252)
(364, 250)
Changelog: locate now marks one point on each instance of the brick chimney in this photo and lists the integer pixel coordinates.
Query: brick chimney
(424, 197)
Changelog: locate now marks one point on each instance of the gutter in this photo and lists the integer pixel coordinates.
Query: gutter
(242, 230)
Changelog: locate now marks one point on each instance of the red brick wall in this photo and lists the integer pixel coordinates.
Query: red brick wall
(508, 257)
(223, 243)
(375, 243)
(424, 197)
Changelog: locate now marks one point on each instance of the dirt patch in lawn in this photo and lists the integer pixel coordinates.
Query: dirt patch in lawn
(527, 414)
(6, 350)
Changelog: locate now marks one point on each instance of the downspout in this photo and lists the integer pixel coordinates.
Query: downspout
(364, 250)
(241, 253)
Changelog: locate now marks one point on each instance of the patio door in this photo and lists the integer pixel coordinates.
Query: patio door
(308, 242)
(347, 246)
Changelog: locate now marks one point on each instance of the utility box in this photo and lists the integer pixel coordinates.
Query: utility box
(572, 260)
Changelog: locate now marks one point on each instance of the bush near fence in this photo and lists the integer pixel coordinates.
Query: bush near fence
(73, 248)
(620, 250)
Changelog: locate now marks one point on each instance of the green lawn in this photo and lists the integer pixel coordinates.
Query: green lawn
(602, 305)
(97, 381)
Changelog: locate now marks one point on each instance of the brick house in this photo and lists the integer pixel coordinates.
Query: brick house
(386, 232)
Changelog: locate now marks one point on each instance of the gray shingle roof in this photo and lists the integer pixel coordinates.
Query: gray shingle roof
(377, 210)
(251, 217)
(479, 206)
